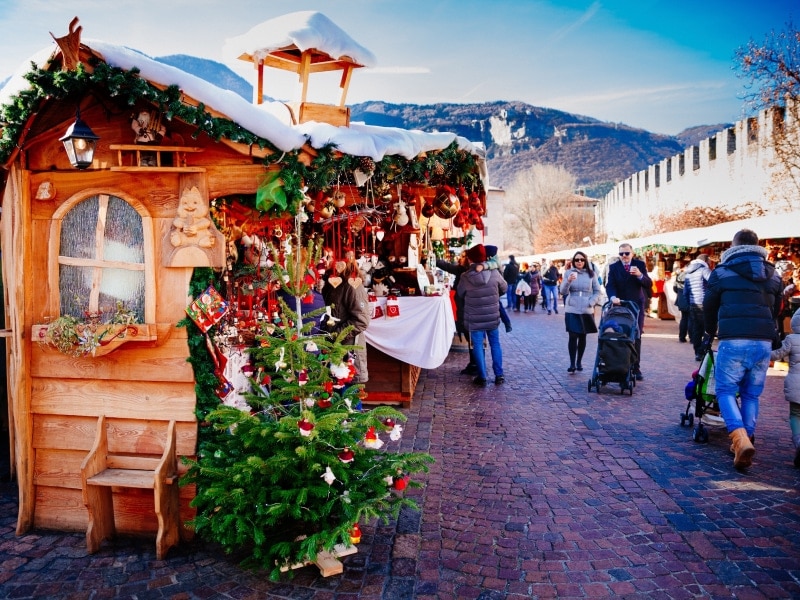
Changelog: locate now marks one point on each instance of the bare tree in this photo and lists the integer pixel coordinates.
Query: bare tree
(772, 73)
(546, 213)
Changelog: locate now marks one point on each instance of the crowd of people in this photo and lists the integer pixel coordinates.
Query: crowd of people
(743, 302)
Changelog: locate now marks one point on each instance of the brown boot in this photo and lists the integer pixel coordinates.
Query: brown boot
(743, 449)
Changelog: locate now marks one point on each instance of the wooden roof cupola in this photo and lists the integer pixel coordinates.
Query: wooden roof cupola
(304, 43)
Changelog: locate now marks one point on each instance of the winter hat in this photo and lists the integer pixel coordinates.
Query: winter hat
(477, 254)
(491, 251)
(703, 257)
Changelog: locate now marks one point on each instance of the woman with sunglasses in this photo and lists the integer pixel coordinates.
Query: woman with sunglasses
(581, 290)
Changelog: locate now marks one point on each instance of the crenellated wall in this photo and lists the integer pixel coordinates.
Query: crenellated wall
(734, 168)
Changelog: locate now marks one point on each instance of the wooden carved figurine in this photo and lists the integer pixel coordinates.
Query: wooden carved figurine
(194, 238)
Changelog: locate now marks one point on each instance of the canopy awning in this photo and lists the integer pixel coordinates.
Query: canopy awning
(768, 227)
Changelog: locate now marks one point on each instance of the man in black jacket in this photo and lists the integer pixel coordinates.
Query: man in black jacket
(511, 276)
(628, 280)
(740, 305)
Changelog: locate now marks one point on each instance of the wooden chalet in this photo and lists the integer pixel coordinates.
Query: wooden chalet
(97, 436)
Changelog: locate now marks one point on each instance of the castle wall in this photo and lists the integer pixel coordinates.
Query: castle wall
(734, 169)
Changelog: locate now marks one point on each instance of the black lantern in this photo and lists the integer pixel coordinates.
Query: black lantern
(79, 142)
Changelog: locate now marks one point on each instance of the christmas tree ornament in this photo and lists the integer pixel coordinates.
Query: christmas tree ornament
(311, 346)
(401, 482)
(324, 402)
(389, 480)
(340, 371)
(309, 402)
(371, 439)
(355, 534)
(306, 427)
(346, 456)
(388, 423)
(280, 363)
(396, 433)
(328, 476)
(302, 377)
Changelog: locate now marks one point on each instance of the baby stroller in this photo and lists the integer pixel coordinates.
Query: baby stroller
(700, 391)
(616, 346)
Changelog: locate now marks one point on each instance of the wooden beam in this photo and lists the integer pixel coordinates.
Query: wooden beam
(345, 84)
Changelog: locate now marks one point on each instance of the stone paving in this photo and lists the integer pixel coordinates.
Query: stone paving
(540, 489)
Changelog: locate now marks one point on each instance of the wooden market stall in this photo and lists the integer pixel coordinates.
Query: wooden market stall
(99, 250)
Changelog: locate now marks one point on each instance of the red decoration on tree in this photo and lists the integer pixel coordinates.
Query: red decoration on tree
(346, 456)
(355, 534)
(305, 427)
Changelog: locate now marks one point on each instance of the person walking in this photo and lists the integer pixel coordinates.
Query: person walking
(550, 287)
(790, 349)
(511, 276)
(681, 302)
(481, 291)
(458, 269)
(694, 290)
(741, 302)
(536, 287)
(628, 280)
(582, 292)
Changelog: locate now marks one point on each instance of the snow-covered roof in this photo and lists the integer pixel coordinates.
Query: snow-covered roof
(270, 120)
(304, 29)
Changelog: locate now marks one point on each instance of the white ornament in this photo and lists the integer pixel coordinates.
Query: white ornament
(396, 433)
(328, 476)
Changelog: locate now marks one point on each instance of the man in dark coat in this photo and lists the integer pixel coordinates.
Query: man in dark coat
(511, 276)
(481, 292)
(741, 302)
(628, 280)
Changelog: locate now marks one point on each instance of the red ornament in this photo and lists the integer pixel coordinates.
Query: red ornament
(305, 427)
(346, 456)
(324, 403)
(355, 534)
(388, 422)
(401, 482)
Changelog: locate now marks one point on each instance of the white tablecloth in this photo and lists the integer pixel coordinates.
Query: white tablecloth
(420, 336)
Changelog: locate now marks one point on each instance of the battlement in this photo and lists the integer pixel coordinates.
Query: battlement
(734, 168)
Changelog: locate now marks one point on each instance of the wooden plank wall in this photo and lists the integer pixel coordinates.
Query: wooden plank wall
(139, 387)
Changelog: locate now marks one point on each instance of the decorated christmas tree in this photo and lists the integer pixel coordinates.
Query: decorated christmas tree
(299, 471)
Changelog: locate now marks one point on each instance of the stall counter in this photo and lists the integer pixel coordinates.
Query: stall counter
(397, 348)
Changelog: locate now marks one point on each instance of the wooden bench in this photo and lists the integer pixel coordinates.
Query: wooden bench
(101, 471)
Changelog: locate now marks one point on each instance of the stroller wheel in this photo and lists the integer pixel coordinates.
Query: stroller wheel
(691, 420)
(700, 434)
(590, 385)
(684, 420)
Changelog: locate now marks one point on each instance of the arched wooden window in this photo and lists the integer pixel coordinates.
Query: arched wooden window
(104, 257)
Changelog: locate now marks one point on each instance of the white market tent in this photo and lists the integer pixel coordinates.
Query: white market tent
(774, 226)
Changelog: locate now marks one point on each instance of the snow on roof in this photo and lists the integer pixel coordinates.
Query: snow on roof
(304, 29)
(270, 120)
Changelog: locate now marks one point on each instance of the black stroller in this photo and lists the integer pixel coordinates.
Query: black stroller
(616, 346)
(701, 392)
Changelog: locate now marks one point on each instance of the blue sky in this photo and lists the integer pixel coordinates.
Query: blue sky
(662, 65)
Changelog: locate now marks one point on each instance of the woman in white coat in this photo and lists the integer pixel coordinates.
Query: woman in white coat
(581, 290)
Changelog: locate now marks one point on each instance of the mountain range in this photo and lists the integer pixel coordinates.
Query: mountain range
(515, 134)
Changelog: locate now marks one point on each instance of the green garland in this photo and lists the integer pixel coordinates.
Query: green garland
(449, 166)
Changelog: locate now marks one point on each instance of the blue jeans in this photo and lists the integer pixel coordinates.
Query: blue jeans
(511, 296)
(550, 297)
(741, 366)
(494, 345)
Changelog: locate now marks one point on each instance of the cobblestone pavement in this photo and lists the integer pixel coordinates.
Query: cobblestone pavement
(540, 489)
